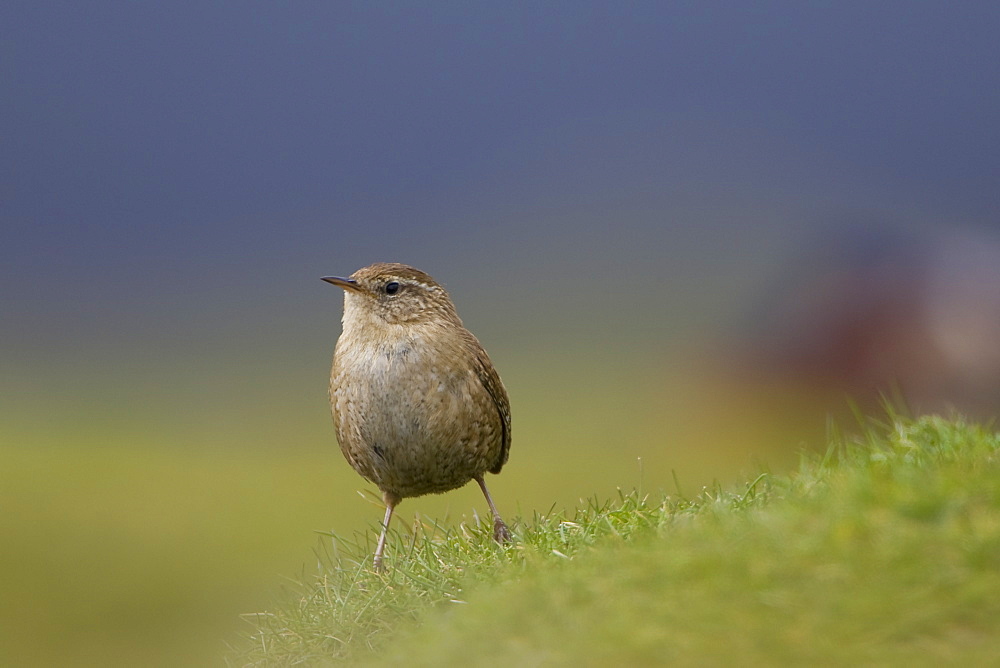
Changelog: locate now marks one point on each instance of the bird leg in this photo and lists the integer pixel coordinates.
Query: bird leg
(390, 504)
(501, 533)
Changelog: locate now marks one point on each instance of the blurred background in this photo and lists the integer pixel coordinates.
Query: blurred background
(688, 233)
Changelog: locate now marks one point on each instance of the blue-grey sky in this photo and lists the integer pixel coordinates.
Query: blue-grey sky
(176, 166)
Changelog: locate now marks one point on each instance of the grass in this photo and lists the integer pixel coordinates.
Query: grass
(885, 550)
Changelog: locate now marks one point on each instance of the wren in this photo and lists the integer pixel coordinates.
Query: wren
(417, 405)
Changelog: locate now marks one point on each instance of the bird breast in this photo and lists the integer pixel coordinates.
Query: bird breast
(411, 413)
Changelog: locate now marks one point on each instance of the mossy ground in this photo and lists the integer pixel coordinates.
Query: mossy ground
(884, 551)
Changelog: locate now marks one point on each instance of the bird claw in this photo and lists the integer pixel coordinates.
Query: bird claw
(501, 533)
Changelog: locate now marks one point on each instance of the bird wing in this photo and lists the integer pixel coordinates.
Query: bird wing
(490, 379)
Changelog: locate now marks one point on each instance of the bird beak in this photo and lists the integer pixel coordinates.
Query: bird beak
(345, 283)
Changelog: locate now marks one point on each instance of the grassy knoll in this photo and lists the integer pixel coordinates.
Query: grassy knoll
(884, 551)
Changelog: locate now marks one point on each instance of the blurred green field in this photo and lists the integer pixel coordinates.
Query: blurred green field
(139, 522)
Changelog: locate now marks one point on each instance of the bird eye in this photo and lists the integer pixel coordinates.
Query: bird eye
(391, 288)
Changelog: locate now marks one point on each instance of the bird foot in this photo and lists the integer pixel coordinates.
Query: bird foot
(501, 533)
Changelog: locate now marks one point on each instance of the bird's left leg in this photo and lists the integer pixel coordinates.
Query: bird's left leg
(501, 533)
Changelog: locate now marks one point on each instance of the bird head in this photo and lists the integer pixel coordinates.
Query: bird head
(396, 294)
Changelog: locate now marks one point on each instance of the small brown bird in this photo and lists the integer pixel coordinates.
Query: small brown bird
(417, 404)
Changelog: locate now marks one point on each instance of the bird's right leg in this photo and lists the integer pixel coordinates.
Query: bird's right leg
(390, 504)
